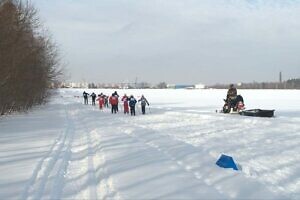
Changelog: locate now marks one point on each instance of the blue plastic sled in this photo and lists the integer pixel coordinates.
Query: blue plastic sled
(226, 162)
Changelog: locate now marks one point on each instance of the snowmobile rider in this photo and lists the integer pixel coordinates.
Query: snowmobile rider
(143, 101)
(231, 96)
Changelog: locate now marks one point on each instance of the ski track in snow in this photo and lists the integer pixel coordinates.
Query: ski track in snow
(91, 168)
(51, 176)
(44, 176)
(106, 184)
(86, 176)
(252, 125)
(170, 153)
(187, 157)
(165, 151)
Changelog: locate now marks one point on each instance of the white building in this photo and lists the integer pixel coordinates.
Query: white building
(199, 86)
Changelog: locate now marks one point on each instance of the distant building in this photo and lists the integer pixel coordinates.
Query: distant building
(171, 86)
(199, 86)
(180, 86)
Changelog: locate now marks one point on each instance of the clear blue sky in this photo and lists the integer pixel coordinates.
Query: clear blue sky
(177, 41)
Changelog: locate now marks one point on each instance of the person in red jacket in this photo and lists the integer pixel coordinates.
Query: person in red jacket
(100, 99)
(125, 102)
(113, 100)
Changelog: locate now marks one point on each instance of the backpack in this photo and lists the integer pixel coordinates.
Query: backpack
(132, 102)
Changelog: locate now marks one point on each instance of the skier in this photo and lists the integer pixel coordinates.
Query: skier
(143, 101)
(100, 99)
(106, 101)
(132, 102)
(125, 103)
(116, 95)
(85, 97)
(93, 95)
(113, 100)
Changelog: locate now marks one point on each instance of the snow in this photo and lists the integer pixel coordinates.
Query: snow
(67, 150)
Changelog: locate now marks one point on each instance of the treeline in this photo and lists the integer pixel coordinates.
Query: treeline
(29, 60)
(293, 83)
(289, 84)
(140, 85)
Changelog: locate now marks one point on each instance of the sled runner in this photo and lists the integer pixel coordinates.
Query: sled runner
(258, 113)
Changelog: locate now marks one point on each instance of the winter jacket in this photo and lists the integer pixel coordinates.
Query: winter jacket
(143, 101)
(93, 95)
(124, 99)
(113, 100)
(85, 95)
(132, 102)
(101, 100)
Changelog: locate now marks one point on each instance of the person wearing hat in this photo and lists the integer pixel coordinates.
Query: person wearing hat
(117, 106)
(93, 95)
(113, 100)
(125, 104)
(86, 98)
(132, 102)
(143, 101)
(231, 95)
(100, 99)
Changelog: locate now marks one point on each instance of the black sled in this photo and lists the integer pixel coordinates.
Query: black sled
(258, 113)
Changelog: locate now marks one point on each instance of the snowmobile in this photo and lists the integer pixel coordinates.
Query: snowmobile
(237, 106)
(234, 106)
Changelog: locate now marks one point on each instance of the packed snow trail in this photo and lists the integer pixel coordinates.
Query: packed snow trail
(128, 164)
(48, 177)
(67, 150)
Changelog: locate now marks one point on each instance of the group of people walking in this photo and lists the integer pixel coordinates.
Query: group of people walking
(103, 99)
(129, 102)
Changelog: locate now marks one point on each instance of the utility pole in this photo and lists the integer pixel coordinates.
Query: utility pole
(280, 77)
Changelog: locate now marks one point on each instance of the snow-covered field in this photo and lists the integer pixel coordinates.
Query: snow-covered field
(67, 150)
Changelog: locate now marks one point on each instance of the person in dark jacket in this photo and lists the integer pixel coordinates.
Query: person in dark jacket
(143, 101)
(231, 96)
(85, 97)
(106, 101)
(116, 94)
(93, 95)
(132, 102)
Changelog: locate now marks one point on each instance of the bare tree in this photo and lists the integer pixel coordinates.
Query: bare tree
(29, 60)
